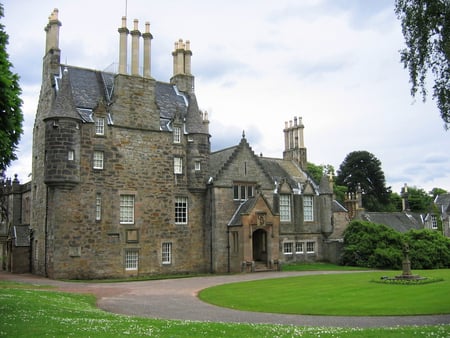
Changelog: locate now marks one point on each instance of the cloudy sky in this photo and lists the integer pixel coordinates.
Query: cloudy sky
(257, 64)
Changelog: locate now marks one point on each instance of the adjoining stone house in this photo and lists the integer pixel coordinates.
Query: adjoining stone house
(438, 218)
(15, 226)
(124, 182)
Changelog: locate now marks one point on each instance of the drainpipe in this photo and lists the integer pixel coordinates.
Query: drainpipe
(228, 249)
(46, 232)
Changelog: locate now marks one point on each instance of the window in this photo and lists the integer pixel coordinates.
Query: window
(434, 223)
(131, 259)
(287, 248)
(310, 247)
(308, 208)
(71, 155)
(99, 126)
(298, 247)
(243, 191)
(285, 208)
(177, 165)
(98, 159)
(126, 209)
(235, 241)
(98, 207)
(181, 210)
(176, 134)
(166, 253)
(197, 165)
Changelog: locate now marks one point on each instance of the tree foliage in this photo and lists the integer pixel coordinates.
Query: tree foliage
(374, 245)
(11, 117)
(362, 170)
(426, 29)
(419, 200)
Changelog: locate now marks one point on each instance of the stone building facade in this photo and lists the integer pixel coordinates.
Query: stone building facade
(125, 184)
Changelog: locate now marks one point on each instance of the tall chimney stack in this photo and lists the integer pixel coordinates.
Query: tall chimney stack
(52, 29)
(147, 36)
(135, 34)
(123, 46)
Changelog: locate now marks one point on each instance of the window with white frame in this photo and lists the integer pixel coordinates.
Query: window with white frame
(166, 253)
(71, 155)
(197, 166)
(434, 222)
(131, 259)
(288, 248)
(181, 210)
(98, 160)
(126, 209)
(98, 207)
(308, 210)
(242, 191)
(285, 208)
(310, 247)
(177, 165)
(176, 135)
(299, 247)
(100, 126)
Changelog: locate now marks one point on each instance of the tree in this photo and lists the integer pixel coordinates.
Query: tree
(418, 200)
(362, 170)
(318, 171)
(437, 191)
(426, 29)
(11, 117)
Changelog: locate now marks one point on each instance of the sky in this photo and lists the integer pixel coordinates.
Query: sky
(258, 64)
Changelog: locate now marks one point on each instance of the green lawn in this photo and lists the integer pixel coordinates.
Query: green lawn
(343, 294)
(32, 311)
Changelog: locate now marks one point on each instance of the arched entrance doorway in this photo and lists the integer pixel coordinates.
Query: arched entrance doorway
(259, 244)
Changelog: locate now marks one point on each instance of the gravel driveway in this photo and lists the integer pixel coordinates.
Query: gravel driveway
(177, 299)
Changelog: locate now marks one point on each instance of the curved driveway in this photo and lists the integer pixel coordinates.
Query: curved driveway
(177, 299)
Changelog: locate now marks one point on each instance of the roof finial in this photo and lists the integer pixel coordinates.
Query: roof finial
(243, 134)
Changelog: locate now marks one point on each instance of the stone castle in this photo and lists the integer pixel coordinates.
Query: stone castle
(124, 182)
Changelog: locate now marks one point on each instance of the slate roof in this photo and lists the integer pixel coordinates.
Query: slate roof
(400, 221)
(443, 202)
(83, 89)
(244, 208)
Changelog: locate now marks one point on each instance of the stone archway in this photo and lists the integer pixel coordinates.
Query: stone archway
(259, 245)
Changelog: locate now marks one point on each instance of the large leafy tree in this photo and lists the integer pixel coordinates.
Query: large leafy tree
(426, 29)
(11, 117)
(362, 170)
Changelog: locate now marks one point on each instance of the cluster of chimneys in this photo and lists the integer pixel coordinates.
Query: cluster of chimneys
(293, 134)
(181, 55)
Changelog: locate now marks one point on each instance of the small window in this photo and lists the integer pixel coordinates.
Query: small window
(310, 247)
(98, 159)
(98, 207)
(434, 223)
(176, 135)
(99, 126)
(166, 253)
(197, 166)
(132, 236)
(243, 191)
(131, 259)
(178, 165)
(299, 247)
(288, 248)
(285, 208)
(181, 210)
(71, 155)
(126, 209)
(308, 215)
(235, 241)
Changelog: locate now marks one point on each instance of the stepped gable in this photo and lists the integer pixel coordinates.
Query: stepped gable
(221, 159)
(218, 160)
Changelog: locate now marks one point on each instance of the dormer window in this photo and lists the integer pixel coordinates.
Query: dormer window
(100, 126)
(308, 209)
(285, 208)
(176, 135)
